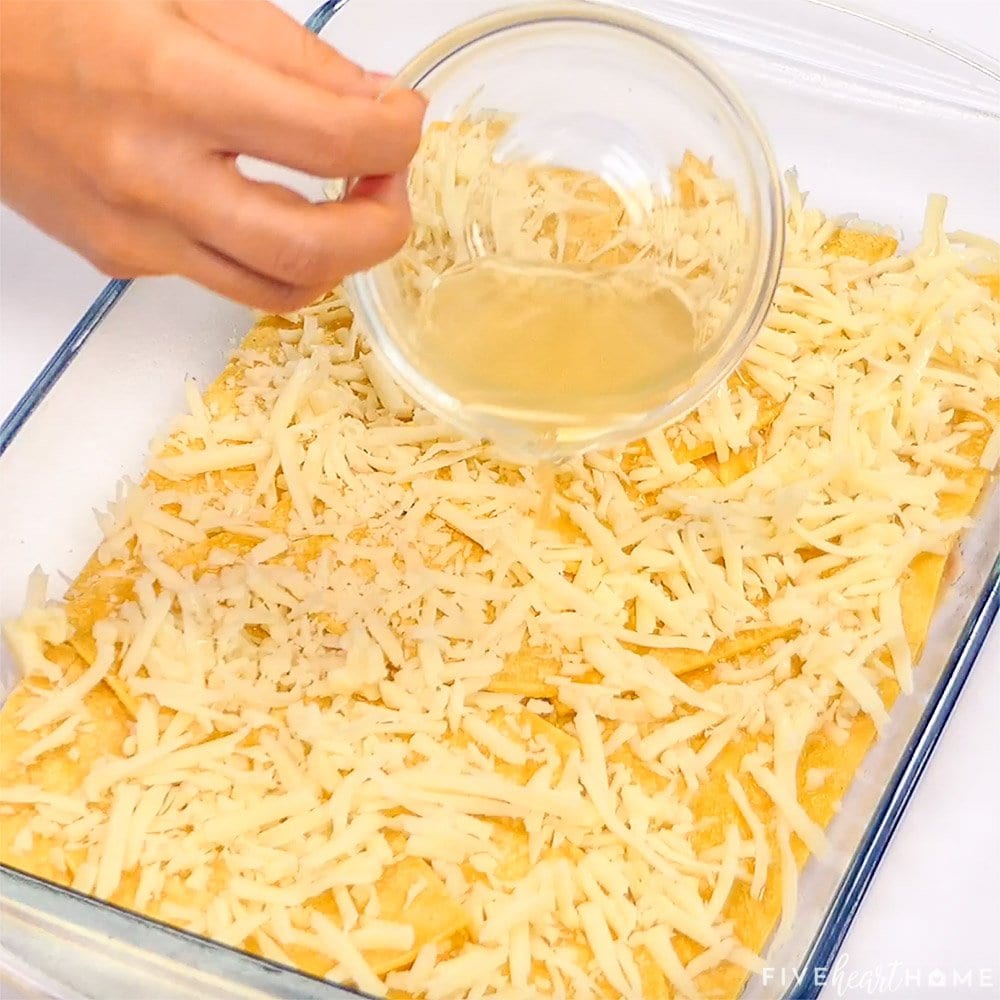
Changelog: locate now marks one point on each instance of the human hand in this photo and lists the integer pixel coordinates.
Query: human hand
(122, 122)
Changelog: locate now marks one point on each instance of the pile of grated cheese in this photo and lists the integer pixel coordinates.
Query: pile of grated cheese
(382, 729)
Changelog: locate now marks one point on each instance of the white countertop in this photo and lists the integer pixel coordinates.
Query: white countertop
(930, 923)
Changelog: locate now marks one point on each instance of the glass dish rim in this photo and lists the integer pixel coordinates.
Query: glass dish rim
(904, 779)
(766, 211)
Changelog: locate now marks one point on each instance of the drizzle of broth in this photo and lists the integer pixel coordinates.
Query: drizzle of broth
(545, 479)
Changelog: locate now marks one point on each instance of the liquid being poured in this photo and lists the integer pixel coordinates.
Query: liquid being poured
(567, 354)
(545, 480)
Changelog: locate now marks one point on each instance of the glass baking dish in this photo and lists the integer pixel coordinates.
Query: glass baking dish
(873, 117)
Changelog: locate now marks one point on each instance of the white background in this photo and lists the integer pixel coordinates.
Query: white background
(935, 902)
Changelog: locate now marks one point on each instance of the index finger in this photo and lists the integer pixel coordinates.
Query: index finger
(245, 107)
(269, 36)
(342, 137)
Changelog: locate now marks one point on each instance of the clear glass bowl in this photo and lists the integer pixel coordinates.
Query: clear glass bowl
(617, 96)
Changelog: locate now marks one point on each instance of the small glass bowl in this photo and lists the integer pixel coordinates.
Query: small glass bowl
(618, 95)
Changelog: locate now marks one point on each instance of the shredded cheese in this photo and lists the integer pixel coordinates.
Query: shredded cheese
(382, 720)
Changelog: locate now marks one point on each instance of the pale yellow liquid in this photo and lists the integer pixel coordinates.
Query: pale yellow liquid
(569, 354)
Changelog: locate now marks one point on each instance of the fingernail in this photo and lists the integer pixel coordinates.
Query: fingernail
(382, 188)
(381, 81)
